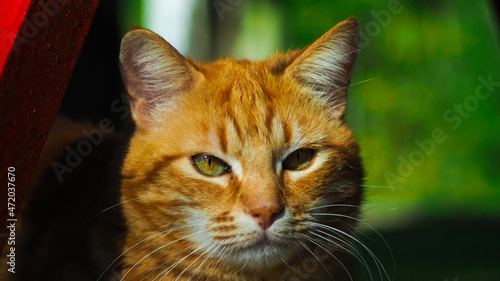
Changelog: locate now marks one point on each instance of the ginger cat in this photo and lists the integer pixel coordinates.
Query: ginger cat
(237, 171)
(240, 170)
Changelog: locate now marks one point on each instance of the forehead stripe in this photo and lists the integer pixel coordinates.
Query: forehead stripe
(222, 136)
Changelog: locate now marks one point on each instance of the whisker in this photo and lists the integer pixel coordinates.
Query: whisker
(288, 265)
(384, 241)
(165, 232)
(85, 221)
(378, 263)
(333, 106)
(242, 267)
(331, 205)
(167, 271)
(316, 257)
(208, 256)
(208, 265)
(355, 206)
(352, 250)
(159, 267)
(344, 244)
(159, 248)
(362, 222)
(224, 252)
(213, 245)
(354, 84)
(396, 188)
(118, 204)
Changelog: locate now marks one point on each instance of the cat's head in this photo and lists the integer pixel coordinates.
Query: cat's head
(240, 163)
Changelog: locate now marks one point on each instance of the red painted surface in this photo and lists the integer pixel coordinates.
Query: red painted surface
(12, 15)
(34, 77)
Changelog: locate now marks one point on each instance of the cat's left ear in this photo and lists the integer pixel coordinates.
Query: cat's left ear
(155, 73)
(326, 65)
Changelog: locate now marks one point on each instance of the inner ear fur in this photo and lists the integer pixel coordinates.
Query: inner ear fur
(325, 66)
(154, 73)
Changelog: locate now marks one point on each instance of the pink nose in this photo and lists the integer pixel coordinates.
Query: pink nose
(266, 214)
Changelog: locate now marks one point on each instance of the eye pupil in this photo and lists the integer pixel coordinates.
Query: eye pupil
(298, 160)
(210, 165)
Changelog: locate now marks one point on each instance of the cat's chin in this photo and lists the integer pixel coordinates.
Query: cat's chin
(262, 253)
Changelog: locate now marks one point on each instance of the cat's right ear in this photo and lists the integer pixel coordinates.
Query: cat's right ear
(325, 66)
(154, 74)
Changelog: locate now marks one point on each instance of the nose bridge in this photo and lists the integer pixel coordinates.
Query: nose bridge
(261, 184)
(261, 197)
(260, 179)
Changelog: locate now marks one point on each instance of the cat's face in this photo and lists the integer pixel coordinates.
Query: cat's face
(239, 164)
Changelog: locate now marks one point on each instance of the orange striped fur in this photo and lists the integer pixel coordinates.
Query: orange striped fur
(260, 220)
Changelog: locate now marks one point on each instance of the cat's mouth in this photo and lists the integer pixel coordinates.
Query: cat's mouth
(252, 254)
(263, 244)
(263, 241)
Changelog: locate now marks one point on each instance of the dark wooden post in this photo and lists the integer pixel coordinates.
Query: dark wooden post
(40, 42)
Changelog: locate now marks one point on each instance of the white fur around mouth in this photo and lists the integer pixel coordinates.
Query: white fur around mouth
(262, 243)
(262, 249)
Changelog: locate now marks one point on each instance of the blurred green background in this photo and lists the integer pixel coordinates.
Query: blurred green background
(423, 103)
(429, 138)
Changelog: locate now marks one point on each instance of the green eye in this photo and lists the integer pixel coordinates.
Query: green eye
(211, 165)
(298, 160)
